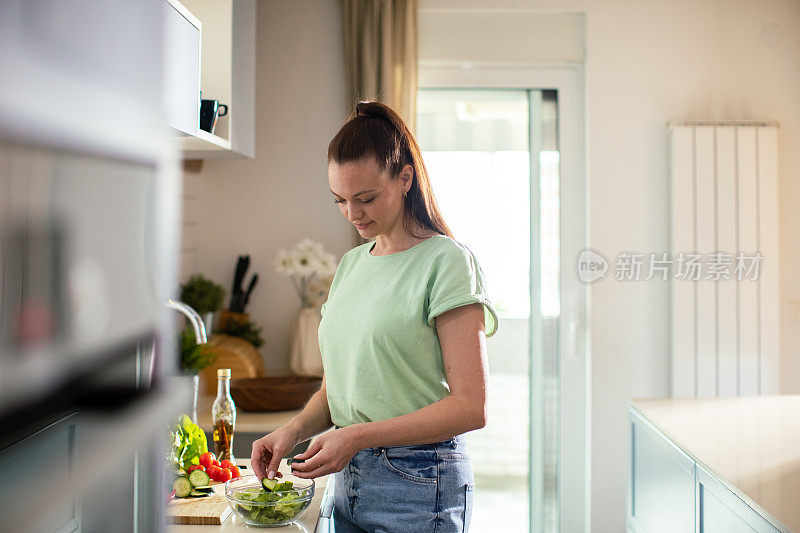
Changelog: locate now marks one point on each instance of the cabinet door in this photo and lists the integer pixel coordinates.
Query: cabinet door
(721, 511)
(182, 32)
(38, 477)
(661, 484)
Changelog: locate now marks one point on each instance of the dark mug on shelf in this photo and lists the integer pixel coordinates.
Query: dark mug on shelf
(210, 111)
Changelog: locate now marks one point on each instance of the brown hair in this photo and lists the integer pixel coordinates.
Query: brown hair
(377, 131)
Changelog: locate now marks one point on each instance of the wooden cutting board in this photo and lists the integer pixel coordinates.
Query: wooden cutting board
(211, 510)
(235, 353)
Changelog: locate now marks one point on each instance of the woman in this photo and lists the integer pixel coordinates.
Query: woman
(403, 342)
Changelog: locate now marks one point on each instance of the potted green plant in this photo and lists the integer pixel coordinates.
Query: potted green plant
(204, 296)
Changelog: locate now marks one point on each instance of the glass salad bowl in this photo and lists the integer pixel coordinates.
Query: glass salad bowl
(257, 506)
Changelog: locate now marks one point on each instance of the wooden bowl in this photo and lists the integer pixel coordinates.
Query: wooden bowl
(273, 393)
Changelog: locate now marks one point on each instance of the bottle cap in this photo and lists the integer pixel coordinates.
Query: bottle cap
(224, 373)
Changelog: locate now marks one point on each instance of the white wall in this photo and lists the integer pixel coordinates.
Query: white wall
(259, 206)
(646, 62)
(482, 36)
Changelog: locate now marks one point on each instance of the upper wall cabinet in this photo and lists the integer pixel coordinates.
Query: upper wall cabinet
(227, 74)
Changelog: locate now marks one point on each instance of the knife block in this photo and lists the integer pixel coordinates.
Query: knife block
(226, 317)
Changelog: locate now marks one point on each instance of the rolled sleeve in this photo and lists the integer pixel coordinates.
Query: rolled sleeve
(457, 280)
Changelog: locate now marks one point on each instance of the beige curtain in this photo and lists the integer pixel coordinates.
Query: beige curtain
(380, 47)
(380, 50)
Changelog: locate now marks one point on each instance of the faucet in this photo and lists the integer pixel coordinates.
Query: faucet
(194, 319)
(200, 337)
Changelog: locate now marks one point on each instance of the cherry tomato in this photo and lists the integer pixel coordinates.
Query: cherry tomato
(215, 463)
(225, 475)
(195, 467)
(235, 471)
(206, 459)
(213, 472)
(226, 463)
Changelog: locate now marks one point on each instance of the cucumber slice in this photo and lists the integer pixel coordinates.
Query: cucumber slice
(198, 494)
(198, 478)
(182, 487)
(204, 489)
(269, 484)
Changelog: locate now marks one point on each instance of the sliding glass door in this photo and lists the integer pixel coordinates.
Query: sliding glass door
(493, 159)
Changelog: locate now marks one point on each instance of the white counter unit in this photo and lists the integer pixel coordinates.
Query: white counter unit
(725, 464)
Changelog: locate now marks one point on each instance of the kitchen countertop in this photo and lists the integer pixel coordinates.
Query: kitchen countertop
(751, 444)
(307, 524)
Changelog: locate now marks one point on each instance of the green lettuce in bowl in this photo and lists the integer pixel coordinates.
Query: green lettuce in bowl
(257, 506)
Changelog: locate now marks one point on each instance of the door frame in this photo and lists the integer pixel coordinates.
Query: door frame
(574, 466)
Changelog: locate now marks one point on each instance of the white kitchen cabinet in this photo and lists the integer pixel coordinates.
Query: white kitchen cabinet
(714, 465)
(227, 74)
(89, 199)
(672, 488)
(49, 454)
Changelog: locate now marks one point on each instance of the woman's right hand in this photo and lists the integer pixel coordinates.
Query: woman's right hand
(269, 450)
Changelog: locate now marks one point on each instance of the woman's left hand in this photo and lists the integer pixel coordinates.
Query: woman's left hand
(328, 453)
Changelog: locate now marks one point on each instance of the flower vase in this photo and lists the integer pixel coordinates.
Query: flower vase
(305, 358)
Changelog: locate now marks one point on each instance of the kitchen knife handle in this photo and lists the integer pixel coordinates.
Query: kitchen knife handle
(249, 291)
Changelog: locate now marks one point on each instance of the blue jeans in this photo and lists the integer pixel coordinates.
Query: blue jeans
(421, 488)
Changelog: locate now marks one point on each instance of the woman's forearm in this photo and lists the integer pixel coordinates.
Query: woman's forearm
(314, 418)
(441, 420)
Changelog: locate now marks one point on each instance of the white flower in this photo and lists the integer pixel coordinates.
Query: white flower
(283, 263)
(303, 262)
(311, 269)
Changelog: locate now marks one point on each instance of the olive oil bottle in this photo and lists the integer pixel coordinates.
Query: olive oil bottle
(223, 416)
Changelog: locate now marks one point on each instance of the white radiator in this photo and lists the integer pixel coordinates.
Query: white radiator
(725, 332)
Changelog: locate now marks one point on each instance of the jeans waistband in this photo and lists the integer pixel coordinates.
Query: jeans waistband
(447, 442)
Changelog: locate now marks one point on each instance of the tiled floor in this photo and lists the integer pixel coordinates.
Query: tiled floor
(501, 505)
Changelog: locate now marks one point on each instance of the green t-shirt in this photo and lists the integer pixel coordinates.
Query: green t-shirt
(380, 350)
